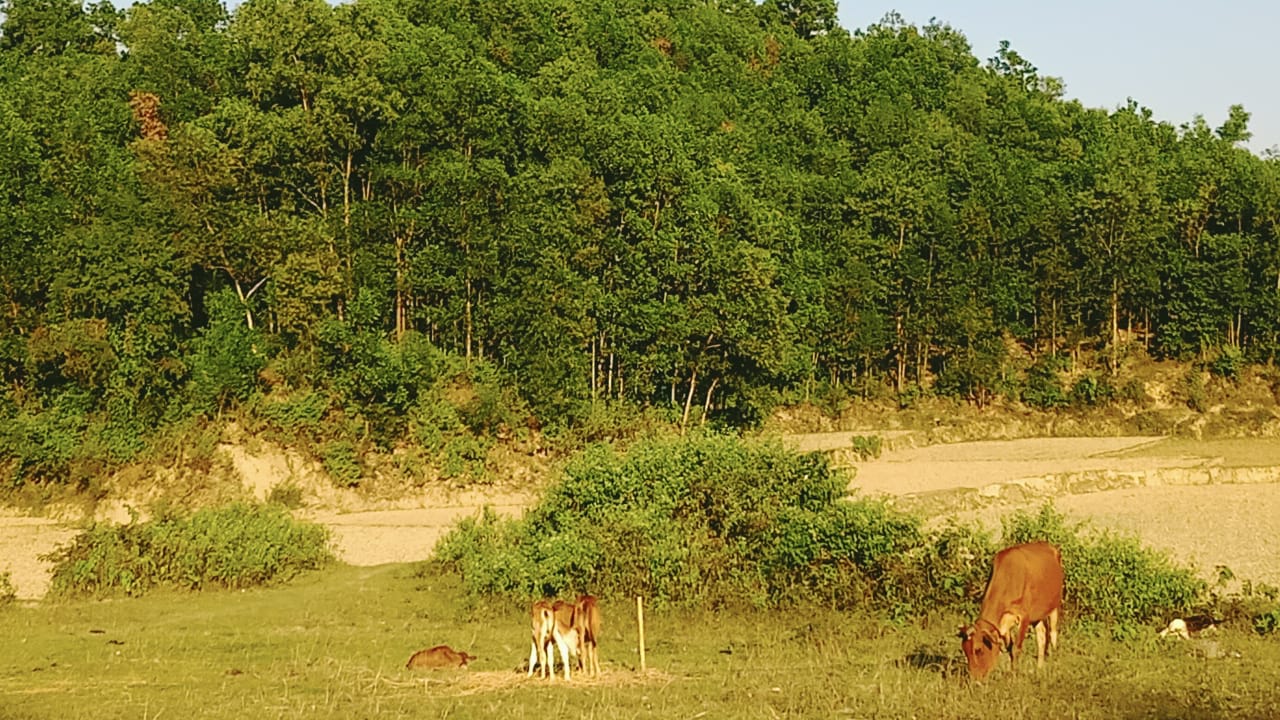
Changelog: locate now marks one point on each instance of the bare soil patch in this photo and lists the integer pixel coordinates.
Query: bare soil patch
(1205, 508)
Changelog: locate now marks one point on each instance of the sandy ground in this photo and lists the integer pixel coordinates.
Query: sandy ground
(1189, 506)
(1194, 508)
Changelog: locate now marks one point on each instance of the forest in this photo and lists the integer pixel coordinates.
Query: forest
(434, 222)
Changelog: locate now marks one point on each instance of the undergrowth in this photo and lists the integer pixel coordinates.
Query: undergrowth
(235, 546)
(716, 521)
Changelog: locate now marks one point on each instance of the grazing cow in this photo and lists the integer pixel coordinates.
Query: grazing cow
(440, 656)
(1025, 590)
(587, 618)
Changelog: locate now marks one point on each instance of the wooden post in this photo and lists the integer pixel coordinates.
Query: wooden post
(640, 623)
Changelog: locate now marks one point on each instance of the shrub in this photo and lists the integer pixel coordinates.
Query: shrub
(1110, 578)
(1044, 383)
(235, 546)
(8, 592)
(1228, 363)
(1193, 387)
(1090, 390)
(342, 461)
(706, 521)
(866, 447)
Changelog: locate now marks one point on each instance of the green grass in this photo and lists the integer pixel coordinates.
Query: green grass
(333, 645)
(1235, 452)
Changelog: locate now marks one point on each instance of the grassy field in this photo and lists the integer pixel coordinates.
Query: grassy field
(333, 645)
(1235, 452)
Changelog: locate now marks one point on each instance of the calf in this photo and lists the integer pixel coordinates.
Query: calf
(568, 633)
(440, 656)
(542, 624)
(1025, 590)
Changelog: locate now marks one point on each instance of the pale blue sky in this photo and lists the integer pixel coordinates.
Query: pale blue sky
(1178, 58)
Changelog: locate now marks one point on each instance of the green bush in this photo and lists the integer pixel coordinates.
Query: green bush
(236, 546)
(342, 461)
(713, 521)
(1111, 579)
(1044, 383)
(297, 418)
(1193, 387)
(866, 447)
(1092, 390)
(706, 521)
(1229, 362)
(8, 593)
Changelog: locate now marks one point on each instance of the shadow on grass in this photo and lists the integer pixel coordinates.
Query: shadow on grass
(929, 659)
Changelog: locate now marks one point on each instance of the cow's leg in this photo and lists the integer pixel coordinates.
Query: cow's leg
(1041, 642)
(1053, 629)
(533, 656)
(564, 655)
(1015, 648)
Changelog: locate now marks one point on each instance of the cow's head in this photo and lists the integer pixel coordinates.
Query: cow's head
(982, 646)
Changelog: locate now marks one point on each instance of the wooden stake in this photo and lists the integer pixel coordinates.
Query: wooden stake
(640, 623)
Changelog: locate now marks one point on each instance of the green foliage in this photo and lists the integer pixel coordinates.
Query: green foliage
(463, 457)
(1044, 383)
(8, 593)
(704, 521)
(1110, 579)
(866, 447)
(1228, 363)
(341, 460)
(374, 206)
(226, 358)
(1193, 388)
(1091, 390)
(1268, 622)
(235, 546)
(296, 418)
(286, 495)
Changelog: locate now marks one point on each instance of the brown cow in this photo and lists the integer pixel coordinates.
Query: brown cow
(1025, 590)
(440, 656)
(587, 619)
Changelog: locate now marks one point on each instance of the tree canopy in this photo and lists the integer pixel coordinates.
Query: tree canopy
(706, 207)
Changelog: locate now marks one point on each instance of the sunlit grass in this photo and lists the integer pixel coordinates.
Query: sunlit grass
(334, 644)
(1235, 452)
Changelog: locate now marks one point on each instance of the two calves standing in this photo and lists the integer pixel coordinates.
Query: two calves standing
(572, 627)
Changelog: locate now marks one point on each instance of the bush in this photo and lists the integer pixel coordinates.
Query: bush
(236, 546)
(1110, 579)
(342, 461)
(711, 521)
(1090, 390)
(1229, 363)
(8, 592)
(1044, 383)
(1193, 387)
(707, 521)
(866, 447)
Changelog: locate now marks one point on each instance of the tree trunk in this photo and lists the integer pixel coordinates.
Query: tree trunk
(1115, 323)
(688, 400)
(706, 405)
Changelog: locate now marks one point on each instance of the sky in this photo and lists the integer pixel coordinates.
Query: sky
(1178, 58)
